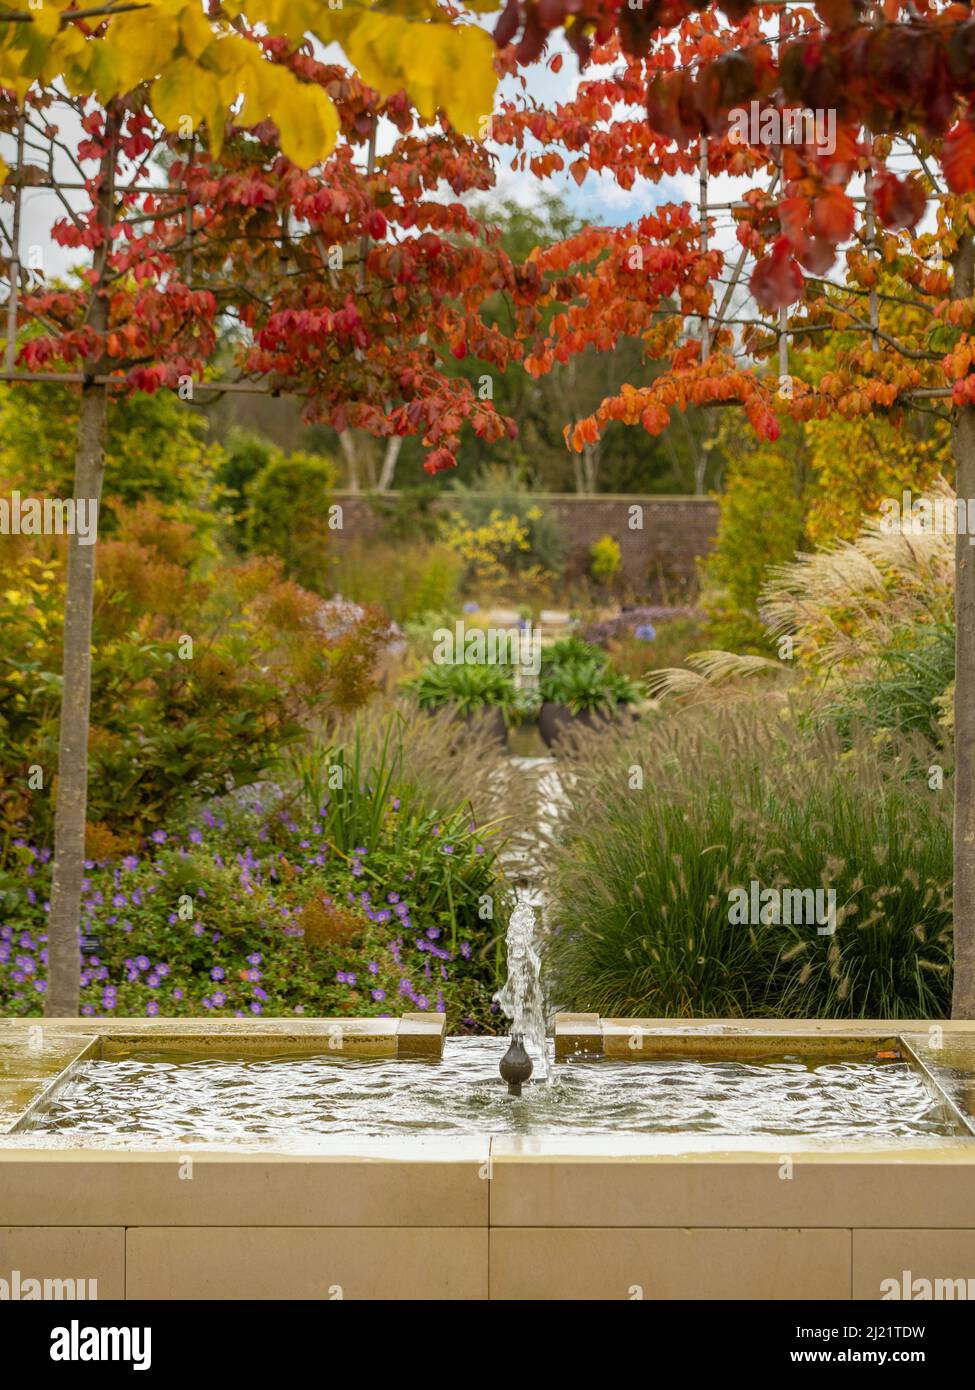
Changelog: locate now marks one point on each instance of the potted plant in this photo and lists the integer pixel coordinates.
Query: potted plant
(584, 692)
(471, 690)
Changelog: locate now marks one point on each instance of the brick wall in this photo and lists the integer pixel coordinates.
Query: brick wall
(659, 559)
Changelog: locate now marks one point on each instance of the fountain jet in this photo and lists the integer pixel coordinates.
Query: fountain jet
(521, 998)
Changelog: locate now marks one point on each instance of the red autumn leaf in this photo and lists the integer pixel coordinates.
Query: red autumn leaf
(376, 225)
(794, 220)
(838, 14)
(777, 280)
(958, 157)
(898, 202)
(817, 256)
(833, 217)
(439, 461)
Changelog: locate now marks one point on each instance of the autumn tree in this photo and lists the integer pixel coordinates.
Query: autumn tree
(868, 235)
(214, 177)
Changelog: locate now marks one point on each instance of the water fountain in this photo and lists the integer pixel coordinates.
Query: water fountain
(522, 1000)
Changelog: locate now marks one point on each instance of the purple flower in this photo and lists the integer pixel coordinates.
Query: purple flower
(142, 962)
(255, 959)
(152, 1008)
(159, 837)
(646, 632)
(217, 973)
(379, 995)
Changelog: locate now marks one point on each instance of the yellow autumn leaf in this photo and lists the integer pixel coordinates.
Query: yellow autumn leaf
(440, 66)
(4, 170)
(47, 19)
(306, 119)
(307, 122)
(195, 31)
(142, 42)
(185, 97)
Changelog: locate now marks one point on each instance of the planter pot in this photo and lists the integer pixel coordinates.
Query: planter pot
(554, 719)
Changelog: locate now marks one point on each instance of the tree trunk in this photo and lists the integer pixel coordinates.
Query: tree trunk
(64, 974)
(347, 441)
(963, 446)
(393, 446)
(70, 815)
(590, 463)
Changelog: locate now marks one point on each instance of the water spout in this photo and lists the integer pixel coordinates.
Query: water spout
(522, 999)
(515, 1066)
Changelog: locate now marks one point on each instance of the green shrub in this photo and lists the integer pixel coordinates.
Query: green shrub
(605, 559)
(572, 651)
(578, 675)
(288, 516)
(642, 876)
(763, 508)
(466, 688)
(245, 455)
(587, 688)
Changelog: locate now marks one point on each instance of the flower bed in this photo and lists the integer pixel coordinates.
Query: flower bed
(370, 904)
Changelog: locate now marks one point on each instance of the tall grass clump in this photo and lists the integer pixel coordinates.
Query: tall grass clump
(665, 818)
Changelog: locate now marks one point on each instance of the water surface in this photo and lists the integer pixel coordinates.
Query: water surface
(280, 1099)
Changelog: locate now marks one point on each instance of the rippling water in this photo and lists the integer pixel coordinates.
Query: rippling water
(262, 1099)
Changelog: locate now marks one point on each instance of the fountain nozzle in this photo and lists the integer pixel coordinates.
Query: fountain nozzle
(515, 1066)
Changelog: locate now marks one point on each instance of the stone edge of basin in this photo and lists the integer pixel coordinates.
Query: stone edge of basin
(412, 1035)
(591, 1034)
